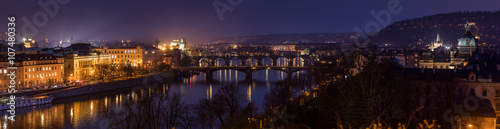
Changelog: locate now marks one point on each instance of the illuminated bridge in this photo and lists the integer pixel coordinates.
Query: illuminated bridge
(248, 70)
(255, 60)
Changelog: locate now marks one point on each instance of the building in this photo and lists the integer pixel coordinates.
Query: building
(34, 70)
(151, 55)
(29, 42)
(281, 48)
(440, 58)
(436, 44)
(80, 67)
(125, 55)
(181, 45)
(479, 84)
(458, 56)
(482, 118)
(467, 43)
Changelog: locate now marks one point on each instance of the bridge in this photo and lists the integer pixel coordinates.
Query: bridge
(248, 70)
(255, 60)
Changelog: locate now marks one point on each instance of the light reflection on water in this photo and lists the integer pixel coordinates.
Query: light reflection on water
(86, 111)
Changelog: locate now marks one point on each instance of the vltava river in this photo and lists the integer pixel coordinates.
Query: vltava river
(85, 111)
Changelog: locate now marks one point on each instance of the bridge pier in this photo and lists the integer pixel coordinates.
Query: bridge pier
(248, 75)
(289, 74)
(209, 75)
(173, 74)
(227, 62)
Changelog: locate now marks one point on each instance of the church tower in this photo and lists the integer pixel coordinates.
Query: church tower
(436, 44)
(183, 44)
(157, 43)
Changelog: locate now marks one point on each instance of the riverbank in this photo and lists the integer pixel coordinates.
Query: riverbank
(101, 87)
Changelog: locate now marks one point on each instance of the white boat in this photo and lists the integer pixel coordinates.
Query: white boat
(25, 101)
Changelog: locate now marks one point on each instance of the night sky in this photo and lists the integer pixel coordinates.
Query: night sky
(198, 21)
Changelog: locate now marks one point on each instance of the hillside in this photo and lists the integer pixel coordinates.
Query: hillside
(450, 26)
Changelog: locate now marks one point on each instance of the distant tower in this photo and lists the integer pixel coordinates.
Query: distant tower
(182, 44)
(46, 40)
(129, 40)
(157, 43)
(437, 43)
(71, 40)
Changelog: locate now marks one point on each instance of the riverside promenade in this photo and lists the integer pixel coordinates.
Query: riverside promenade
(150, 80)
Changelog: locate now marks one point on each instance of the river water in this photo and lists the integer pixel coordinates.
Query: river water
(85, 111)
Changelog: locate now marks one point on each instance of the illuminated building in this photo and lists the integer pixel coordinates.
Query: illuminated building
(125, 55)
(34, 70)
(439, 58)
(289, 48)
(449, 58)
(151, 55)
(174, 44)
(467, 43)
(436, 44)
(181, 45)
(81, 66)
(29, 42)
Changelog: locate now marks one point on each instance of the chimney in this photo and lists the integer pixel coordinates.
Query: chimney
(455, 70)
(477, 67)
(422, 69)
(434, 70)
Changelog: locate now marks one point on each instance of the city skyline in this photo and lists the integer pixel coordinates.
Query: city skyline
(199, 21)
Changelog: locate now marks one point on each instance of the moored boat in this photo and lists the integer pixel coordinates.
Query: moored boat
(25, 101)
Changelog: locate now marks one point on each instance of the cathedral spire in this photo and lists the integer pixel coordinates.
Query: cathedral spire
(438, 39)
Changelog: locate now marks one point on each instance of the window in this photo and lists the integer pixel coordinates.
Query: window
(485, 93)
(460, 92)
(472, 92)
(497, 93)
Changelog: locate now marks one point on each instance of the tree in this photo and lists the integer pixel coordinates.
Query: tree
(366, 89)
(225, 110)
(103, 71)
(128, 69)
(155, 111)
